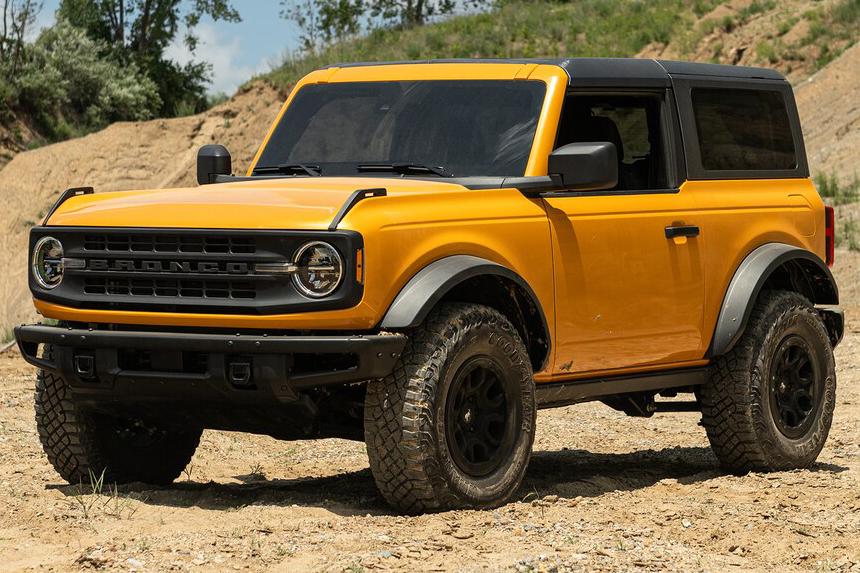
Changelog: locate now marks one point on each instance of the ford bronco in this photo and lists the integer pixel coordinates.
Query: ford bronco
(423, 254)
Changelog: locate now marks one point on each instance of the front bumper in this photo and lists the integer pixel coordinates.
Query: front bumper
(152, 367)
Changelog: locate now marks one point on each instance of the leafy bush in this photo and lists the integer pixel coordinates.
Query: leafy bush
(66, 78)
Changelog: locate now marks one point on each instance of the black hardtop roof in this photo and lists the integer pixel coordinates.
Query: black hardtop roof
(612, 72)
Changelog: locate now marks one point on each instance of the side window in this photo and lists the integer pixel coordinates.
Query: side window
(632, 123)
(743, 129)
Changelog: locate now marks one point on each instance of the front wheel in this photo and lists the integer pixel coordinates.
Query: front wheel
(453, 426)
(769, 403)
(83, 446)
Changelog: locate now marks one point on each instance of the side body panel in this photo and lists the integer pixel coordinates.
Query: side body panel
(626, 295)
(739, 215)
(743, 210)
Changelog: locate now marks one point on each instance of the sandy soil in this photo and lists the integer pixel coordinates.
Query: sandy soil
(603, 493)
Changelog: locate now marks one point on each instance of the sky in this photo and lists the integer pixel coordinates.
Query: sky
(236, 51)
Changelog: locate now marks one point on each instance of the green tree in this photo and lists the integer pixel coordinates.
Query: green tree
(17, 18)
(412, 12)
(324, 21)
(139, 32)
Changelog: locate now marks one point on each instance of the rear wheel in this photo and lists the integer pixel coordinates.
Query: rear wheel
(769, 402)
(82, 445)
(453, 425)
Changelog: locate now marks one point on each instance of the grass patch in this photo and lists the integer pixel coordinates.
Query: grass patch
(517, 29)
(834, 28)
(95, 496)
(785, 26)
(757, 8)
(848, 234)
(590, 28)
(766, 52)
(837, 193)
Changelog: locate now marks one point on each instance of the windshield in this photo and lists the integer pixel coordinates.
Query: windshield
(465, 128)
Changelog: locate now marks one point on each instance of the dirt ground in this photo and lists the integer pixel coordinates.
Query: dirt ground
(603, 493)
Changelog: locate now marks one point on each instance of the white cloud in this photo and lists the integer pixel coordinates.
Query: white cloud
(224, 54)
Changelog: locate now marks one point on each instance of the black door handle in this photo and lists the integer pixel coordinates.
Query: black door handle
(685, 231)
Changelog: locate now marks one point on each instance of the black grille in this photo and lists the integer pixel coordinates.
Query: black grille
(170, 244)
(190, 270)
(183, 288)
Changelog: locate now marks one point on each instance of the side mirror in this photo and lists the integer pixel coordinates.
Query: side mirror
(587, 166)
(213, 160)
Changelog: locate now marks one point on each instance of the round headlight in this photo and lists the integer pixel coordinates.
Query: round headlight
(47, 263)
(319, 269)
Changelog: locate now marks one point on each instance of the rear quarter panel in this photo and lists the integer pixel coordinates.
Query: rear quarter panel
(739, 215)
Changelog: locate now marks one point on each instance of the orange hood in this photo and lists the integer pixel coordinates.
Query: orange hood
(293, 203)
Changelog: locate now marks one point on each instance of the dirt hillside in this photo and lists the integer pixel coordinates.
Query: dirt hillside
(829, 104)
(133, 155)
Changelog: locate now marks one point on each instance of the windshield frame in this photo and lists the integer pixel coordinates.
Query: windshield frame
(554, 78)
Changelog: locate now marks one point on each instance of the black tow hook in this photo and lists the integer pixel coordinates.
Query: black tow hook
(240, 373)
(85, 366)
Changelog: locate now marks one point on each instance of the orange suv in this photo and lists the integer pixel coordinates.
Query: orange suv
(423, 254)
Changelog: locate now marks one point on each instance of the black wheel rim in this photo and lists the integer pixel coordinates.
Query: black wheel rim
(478, 417)
(795, 387)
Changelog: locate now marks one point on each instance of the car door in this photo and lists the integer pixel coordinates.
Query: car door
(628, 261)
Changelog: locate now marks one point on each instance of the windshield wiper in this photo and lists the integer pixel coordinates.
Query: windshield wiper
(405, 168)
(290, 168)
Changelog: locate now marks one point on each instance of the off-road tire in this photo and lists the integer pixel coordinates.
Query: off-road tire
(82, 445)
(738, 402)
(405, 413)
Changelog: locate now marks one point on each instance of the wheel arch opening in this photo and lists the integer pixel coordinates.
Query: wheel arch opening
(515, 303)
(803, 276)
(773, 266)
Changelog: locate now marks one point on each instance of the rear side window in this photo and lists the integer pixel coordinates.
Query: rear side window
(743, 130)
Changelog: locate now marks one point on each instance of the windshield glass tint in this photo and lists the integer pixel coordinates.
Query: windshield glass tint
(467, 127)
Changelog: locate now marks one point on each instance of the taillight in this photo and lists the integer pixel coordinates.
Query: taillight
(829, 234)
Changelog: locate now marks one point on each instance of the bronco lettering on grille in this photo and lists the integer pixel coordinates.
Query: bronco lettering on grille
(168, 266)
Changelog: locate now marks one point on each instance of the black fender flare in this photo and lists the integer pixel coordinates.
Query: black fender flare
(429, 285)
(811, 273)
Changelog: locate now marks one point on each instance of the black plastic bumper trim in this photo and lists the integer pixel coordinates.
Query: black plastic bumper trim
(834, 321)
(375, 357)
